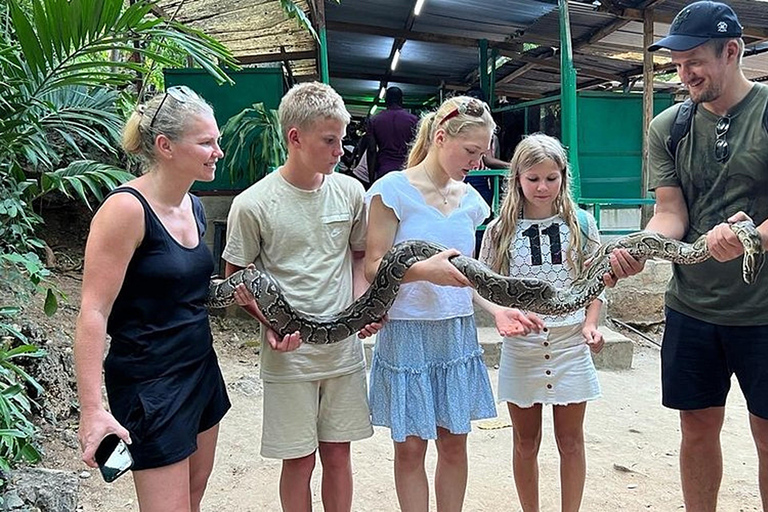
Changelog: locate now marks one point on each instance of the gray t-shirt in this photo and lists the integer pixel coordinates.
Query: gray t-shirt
(713, 191)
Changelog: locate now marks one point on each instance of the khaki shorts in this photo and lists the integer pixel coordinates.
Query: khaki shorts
(299, 415)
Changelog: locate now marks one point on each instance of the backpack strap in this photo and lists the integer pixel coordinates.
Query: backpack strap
(765, 117)
(583, 221)
(681, 126)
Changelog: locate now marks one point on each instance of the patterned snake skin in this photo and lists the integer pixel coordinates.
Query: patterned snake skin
(527, 294)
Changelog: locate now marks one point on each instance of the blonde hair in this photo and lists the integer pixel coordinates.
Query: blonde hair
(308, 102)
(161, 115)
(533, 150)
(453, 117)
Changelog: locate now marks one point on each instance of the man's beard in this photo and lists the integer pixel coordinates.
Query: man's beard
(708, 95)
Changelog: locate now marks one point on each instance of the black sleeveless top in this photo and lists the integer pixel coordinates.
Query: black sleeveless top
(159, 321)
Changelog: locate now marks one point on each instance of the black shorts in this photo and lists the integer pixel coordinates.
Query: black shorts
(698, 359)
(165, 415)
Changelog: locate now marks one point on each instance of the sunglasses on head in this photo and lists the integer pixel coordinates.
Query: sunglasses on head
(721, 143)
(180, 93)
(472, 107)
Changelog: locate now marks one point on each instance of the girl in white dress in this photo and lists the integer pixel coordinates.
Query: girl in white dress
(542, 234)
(428, 380)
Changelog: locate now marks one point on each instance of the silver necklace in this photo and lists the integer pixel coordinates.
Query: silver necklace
(444, 196)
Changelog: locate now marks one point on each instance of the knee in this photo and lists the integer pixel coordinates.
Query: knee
(452, 449)
(335, 456)
(570, 443)
(527, 447)
(301, 467)
(410, 455)
(701, 426)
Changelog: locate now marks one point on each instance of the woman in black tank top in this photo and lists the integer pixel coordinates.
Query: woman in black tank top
(145, 284)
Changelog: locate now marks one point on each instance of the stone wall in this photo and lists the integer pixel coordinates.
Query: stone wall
(639, 299)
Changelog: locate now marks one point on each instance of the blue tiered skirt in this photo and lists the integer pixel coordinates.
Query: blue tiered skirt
(429, 374)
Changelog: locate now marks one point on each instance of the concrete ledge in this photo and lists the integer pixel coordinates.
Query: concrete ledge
(616, 354)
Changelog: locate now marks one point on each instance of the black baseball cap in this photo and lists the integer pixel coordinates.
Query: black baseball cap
(698, 23)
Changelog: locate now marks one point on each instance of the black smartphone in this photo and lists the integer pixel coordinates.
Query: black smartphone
(113, 457)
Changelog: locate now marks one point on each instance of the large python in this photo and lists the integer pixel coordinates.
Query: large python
(528, 294)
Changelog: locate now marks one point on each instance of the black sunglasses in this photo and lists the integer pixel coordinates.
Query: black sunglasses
(180, 93)
(721, 144)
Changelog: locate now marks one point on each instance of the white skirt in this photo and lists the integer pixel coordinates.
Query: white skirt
(551, 368)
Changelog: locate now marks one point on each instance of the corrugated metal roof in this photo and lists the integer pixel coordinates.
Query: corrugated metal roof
(440, 46)
(607, 42)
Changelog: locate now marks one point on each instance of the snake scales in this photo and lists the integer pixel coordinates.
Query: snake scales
(528, 294)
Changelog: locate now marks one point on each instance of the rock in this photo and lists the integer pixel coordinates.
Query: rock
(639, 299)
(11, 501)
(85, 474)
(40, 489)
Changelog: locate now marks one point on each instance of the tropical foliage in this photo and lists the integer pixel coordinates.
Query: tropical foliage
(69, 69)
(16, 430)
(292, 10)
(254, 143)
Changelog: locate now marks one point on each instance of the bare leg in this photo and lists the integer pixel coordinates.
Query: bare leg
(526, 440)
(295, 494)
(701, 458)
(201, 465)
(569, 433)
(760, 433)
(451, 472)
(178, 487)
(337, 477)
(410, 476)
(164, 489)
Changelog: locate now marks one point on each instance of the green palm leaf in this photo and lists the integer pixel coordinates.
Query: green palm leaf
(80, 175)
(292, 10)
(254, 142)
(62, 33)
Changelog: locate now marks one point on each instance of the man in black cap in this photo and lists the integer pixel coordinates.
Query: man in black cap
(708, 160)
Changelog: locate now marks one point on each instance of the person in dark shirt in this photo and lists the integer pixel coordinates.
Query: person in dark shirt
(145, 284)
(390, 133)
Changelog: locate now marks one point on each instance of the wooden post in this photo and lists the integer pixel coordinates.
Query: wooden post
(647, 209)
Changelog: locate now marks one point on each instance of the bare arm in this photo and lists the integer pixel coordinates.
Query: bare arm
(382, 227)
(246, 300)
(589, 330)
(492, 162)
(116, 232)
(671, 215)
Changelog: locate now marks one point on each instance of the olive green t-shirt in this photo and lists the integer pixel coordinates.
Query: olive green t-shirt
(712, 291)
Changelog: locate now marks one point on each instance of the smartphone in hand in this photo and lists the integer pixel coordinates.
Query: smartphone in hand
(113, 457)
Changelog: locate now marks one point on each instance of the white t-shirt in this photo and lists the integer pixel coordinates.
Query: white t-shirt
(304, 239)
(422, 300)
(540, 252)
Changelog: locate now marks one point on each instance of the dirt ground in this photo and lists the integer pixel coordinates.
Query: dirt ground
(632, 441)
(632, 446)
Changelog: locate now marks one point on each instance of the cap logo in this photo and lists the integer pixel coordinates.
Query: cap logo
(722, 27)
(680, 18)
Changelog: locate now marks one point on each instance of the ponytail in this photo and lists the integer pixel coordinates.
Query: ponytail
(420, 146)
(131, 141)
